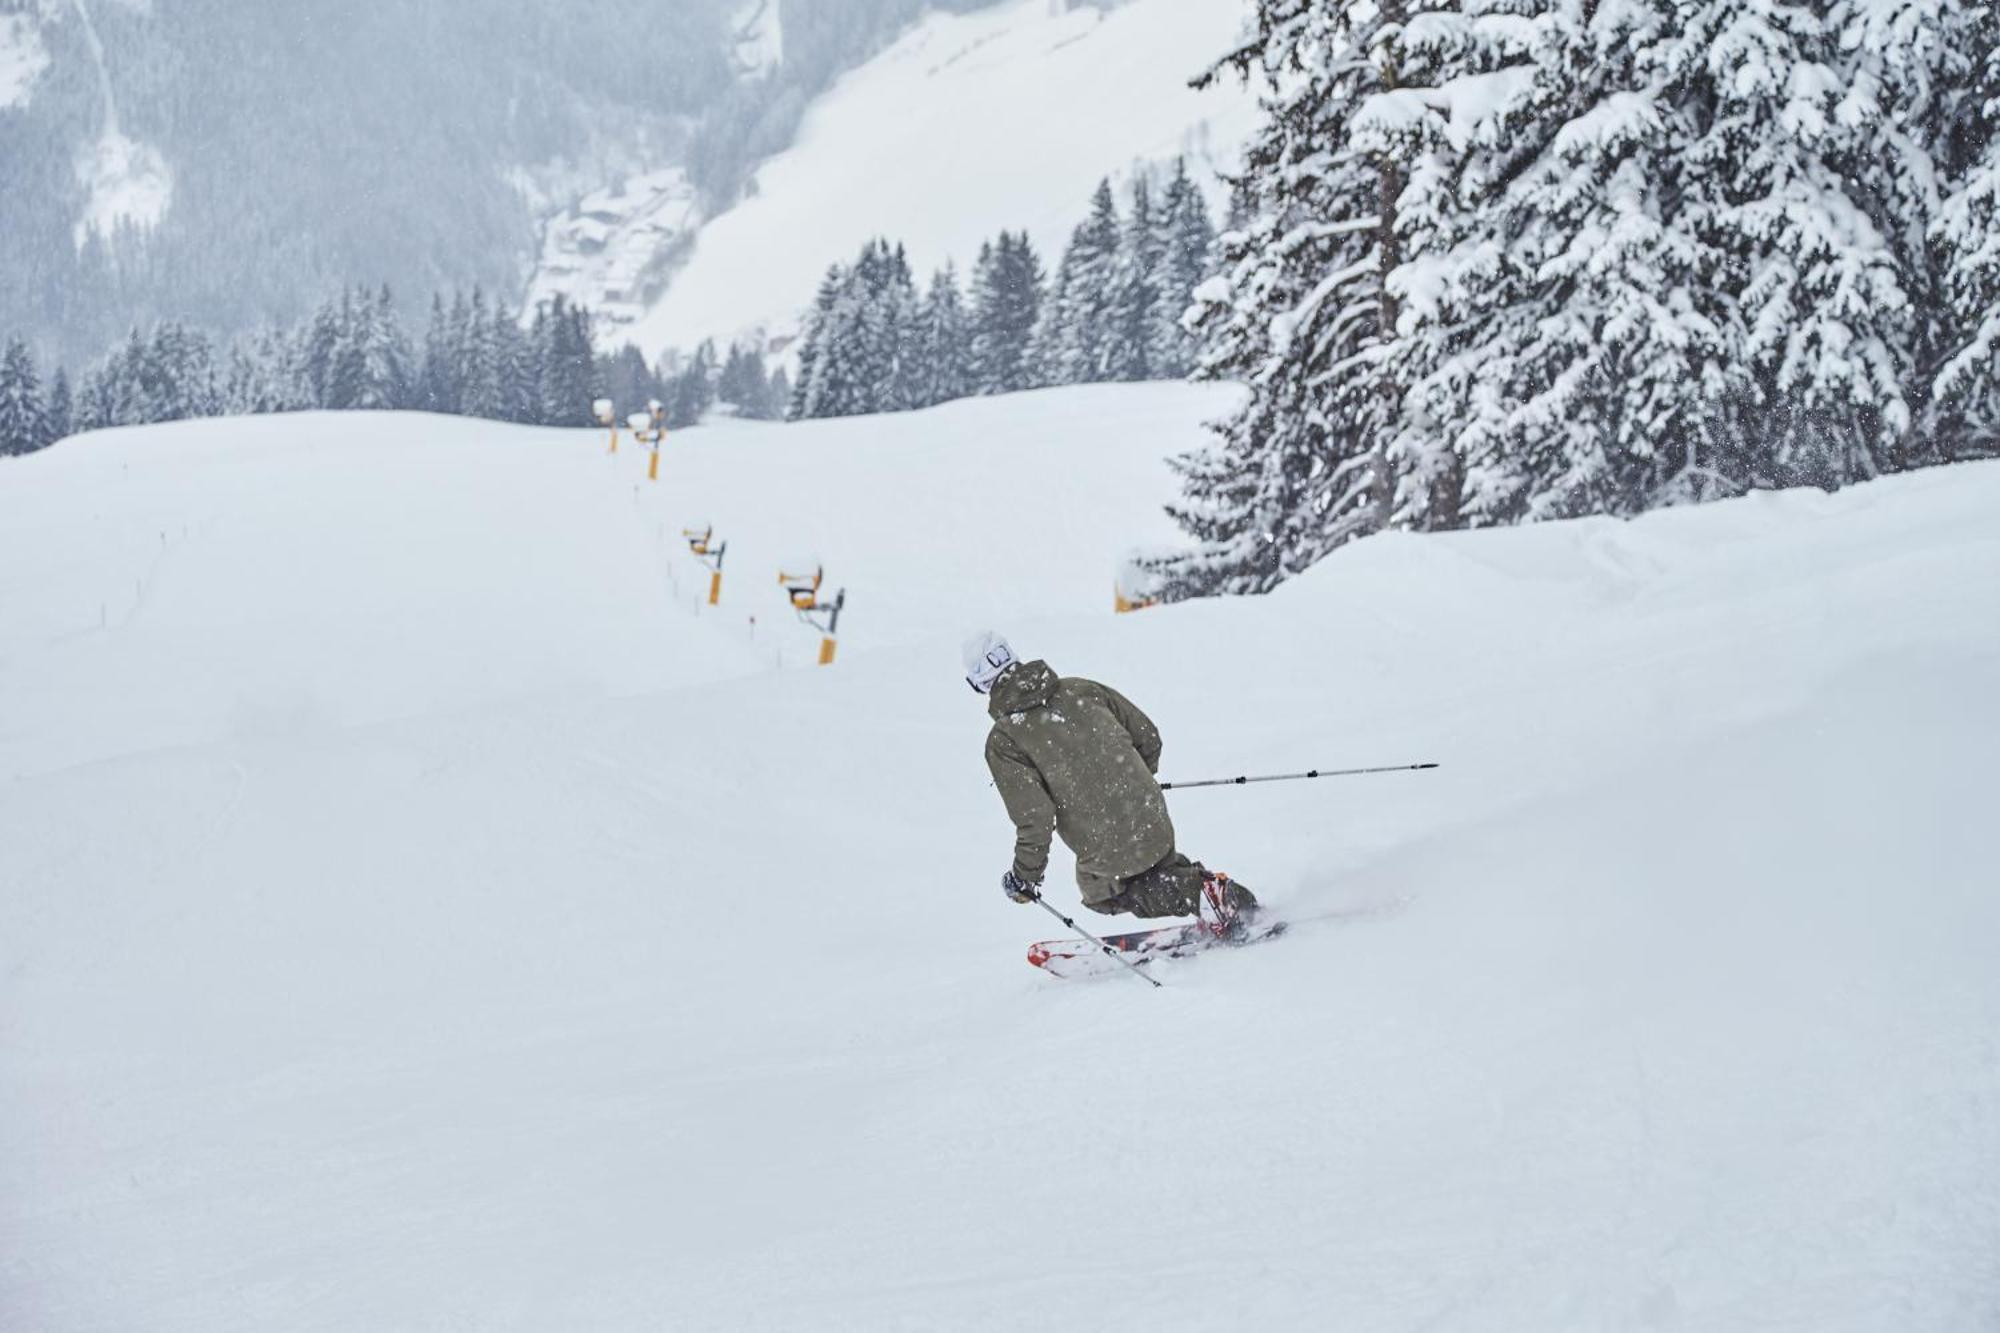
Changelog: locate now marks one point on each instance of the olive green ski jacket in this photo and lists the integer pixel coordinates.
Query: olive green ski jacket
(1077, 758)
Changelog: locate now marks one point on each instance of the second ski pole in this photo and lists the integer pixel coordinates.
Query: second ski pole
(1295, 777)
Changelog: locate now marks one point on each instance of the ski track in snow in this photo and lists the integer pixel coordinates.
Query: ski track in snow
(422, 916)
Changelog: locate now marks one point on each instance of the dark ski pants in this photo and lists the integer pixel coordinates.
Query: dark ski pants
(1171, 888)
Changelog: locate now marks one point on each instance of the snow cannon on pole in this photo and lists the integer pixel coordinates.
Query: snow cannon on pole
(606, 413)
(702, 544)
(658, 410)
(830, 627)
(802, 590)
(648, 430)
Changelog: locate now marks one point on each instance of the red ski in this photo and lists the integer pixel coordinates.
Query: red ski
(1081, 958)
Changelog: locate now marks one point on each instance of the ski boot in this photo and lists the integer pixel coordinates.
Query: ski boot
(1234, 906)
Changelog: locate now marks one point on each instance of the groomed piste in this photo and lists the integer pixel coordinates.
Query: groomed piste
(417, 912)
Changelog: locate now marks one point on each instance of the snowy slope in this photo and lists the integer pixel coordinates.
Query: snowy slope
(635, 984)
(931, 143)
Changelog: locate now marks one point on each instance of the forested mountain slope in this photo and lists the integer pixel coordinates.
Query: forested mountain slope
(230, 162)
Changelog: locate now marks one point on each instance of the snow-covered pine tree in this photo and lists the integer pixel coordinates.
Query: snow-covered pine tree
(346, 382)
(318, 350)
(812, 344)
(94, 394)
(390, 379)
(1558, 342)
(1007, 300)
(1941, 69)
(433, 389)
(838, 384)
(693, 389)
(945, 357)
(894, 321)
(455, 379)
(514, 361)
(485, 394)
(1043, 360)
(1823, 331)
(180, 378)
(743, 384)
(58, 412)
(264, 376)
(628, 381)
(864, 341)
(1297, 314)
(1187, 246)
(22, 423)
(1085, 319)
(569, 380)
(1135, 293)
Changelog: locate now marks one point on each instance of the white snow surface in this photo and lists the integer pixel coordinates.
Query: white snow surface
(414, 914)
(1003, 118)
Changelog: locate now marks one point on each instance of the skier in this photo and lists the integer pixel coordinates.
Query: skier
(1077, 757)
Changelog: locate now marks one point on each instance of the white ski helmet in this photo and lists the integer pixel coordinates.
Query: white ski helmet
(987, 658)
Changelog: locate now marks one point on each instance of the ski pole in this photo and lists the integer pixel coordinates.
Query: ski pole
(1295, 777)
(1113, 953)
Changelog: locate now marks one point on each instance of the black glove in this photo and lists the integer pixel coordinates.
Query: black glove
(1019, 889)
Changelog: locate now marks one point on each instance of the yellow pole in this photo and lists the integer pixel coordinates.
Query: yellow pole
(826, 652)
(715, 588)
(614, 437)
(653, 468)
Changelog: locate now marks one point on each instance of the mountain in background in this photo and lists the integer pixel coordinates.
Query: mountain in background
(230, 162)
(965, 124)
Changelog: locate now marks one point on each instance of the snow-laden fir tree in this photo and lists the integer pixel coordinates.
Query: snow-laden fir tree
(59, 411)
(864, 339)
(1505, 260)
(437, 389)
(692, 391)
(22, 423)
(818, 328)
(519, 372)
(1186, 251)
(1297, 315)
(744, 385)
(629, 382)
(1561, 339)
(1007, 300)
(1077, 338)
(1136, 274)
(1820, 346)
(1042, 359)
(482, 393)
(1938, 66)
(570, 382)
(944, 357)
